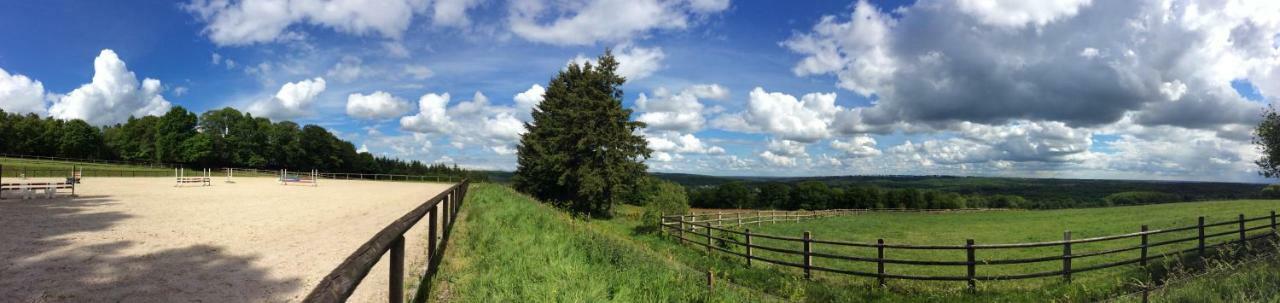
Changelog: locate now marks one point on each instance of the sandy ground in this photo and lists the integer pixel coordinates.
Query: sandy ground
(144, 240)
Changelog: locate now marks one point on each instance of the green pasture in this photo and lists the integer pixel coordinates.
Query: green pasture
(955, 229)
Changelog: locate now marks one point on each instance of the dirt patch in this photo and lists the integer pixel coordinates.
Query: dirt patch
(144, 240)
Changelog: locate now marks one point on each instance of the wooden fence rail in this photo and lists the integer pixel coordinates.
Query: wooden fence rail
(390, 177)
(440, 210)
(700, 234)
(84, 160)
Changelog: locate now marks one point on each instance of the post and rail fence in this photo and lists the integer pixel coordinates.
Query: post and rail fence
(441, 211)
(24, 171)
(96, 161)
(697, 230)
(390, 177)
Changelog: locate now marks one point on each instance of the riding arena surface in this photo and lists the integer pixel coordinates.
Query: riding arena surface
(144, 240)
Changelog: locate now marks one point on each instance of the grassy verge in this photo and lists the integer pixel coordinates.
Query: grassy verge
(509, 248)
(55, 168)
(952, 229)
(1254, 281)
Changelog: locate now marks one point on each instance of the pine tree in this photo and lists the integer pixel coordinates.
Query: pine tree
(581, 150)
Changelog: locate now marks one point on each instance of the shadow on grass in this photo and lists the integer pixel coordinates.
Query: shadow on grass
(433, 264)
(41, 262)
(1192, 263)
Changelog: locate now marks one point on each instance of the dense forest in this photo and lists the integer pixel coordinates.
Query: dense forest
(948, 192)
(218, 138)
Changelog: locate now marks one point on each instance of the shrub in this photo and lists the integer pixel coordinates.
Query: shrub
(1140, 197)
(662, 198)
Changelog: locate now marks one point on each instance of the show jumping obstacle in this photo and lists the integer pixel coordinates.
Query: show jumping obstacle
(311, 178)
(180, 175)
(50, 189)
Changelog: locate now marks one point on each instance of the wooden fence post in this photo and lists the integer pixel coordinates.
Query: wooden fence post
(880, 261)
(711, 280)
(395, 287)
(1143, 260)
(1242, 237)
(680, 232)
(708, 233)
(748, 234)
(1066, 256)
(432, 229)
(808, 259)
(1200, 226)
(973, 283)
(1273, 221)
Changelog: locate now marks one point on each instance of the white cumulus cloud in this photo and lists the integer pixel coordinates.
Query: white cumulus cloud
(112, 96)
(376, 106)
(634, 62)
(243, 22)
(19, 94)
(291, 101)
(603, 21)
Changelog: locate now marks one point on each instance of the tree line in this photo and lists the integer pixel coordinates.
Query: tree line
(217, 138)
(812, 195)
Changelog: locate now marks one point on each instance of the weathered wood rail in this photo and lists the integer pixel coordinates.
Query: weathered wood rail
(441, 211)
(697, 230)
(390, 177)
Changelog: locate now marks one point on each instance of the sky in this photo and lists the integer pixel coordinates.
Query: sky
(1166, 90)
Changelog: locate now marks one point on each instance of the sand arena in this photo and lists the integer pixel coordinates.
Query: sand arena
(144, 240)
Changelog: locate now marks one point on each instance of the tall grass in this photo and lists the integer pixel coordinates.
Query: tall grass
(1256, 280)
(510, 248)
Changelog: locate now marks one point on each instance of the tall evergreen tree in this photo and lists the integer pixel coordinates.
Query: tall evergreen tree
(581, 150)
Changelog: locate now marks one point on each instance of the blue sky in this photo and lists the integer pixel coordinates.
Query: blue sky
(1067, 88)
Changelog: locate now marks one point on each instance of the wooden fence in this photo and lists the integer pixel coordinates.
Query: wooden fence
(390, 177)
(689, 229)
(441, 211)
(8, 171)
(82, 160)
(96, 172)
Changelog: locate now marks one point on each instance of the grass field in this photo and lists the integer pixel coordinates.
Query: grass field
(55, 168)
(510, 248)
(954, 229)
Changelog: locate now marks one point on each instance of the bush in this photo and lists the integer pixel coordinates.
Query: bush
(1006, 201)
(662, 198)
(1140, 197)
